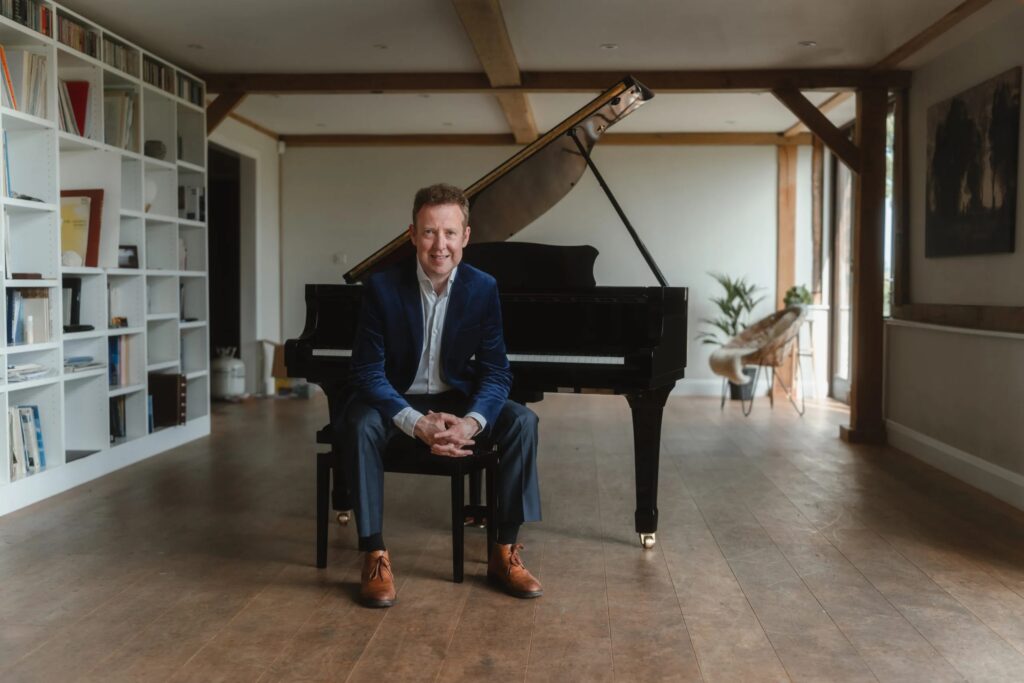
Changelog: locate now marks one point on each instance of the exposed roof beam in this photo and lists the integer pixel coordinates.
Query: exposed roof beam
(255, 126)
(555, 81)
(825, 107)
(487, 139)
(219, 109)
(485, 26)
(946, 22)
(833, 138)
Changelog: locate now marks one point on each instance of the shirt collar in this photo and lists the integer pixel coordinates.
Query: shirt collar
(425, 281)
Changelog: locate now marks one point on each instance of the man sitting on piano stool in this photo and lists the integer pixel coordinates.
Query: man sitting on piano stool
(414, 373)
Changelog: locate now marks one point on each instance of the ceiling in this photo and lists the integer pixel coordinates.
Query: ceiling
(412, 36)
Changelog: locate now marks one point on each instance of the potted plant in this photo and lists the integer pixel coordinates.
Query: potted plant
(734, 308)
(797, 295)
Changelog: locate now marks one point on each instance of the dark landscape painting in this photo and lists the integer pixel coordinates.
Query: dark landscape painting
(972, 169)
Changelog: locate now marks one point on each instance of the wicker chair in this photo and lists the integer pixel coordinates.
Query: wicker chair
(765, 344)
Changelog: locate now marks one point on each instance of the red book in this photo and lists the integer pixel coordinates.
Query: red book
(78, 93)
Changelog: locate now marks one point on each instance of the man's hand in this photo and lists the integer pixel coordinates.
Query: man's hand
(453, 440)
(428, 426)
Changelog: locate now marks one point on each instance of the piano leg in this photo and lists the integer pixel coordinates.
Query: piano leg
(647, 407)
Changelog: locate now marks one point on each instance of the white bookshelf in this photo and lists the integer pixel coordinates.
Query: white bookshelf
(164, 299)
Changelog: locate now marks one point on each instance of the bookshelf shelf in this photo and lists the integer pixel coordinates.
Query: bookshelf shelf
(18, 120)
(27, 206)
(125, 331)
(89, 334)
(56, 148)
(29, 284)
(122, 391)
(85, 374)
(196, 168)
(13, 387)
(14, 349)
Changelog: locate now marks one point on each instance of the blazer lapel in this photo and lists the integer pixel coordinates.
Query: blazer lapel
(413, 314)
(456, 310)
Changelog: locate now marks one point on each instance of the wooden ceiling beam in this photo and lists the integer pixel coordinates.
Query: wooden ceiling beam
(485, 26)
(495, 139)
(819, 124)
(946, 22)
(825, 107)
(556, 81)
(223, 105)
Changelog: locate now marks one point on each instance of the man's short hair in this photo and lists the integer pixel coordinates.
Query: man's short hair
(439, 195)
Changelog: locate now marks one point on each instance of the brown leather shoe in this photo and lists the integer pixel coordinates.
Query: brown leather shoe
(377, 588)
(506, 570)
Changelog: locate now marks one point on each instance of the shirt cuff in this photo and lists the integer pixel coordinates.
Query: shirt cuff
(479, 418)
(406, 420)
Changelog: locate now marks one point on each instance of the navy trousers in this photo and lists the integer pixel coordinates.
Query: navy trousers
(364, 434)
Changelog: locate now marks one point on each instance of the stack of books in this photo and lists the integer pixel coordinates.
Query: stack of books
(28, 455)
(28, 315)
(76, 35)
(118, 366)
(31, 13)
(81, 364)
(73, 104)
(23, 372)
(24, 76)
(118, 117)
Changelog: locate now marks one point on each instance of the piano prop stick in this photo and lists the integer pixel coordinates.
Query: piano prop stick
(563, 333)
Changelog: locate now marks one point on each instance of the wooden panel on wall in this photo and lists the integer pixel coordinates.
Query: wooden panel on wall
(785, 264)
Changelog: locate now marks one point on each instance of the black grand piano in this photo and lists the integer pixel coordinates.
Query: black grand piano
(563, 333)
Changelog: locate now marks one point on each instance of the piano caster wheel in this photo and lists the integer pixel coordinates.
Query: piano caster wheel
(343, 517)
(647, 541)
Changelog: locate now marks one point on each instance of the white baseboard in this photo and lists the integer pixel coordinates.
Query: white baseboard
(998, 481)
(37, 487)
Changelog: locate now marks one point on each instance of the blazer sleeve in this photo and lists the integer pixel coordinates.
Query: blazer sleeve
(494, 378)
(368, 355)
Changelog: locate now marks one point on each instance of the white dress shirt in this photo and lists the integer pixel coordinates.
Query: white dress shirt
(428, 378)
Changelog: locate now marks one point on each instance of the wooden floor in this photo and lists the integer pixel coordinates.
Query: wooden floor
(782, 554)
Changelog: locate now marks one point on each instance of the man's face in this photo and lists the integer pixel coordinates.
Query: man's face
(439, 237)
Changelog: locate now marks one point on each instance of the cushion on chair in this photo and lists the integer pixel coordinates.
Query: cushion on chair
(763, 343)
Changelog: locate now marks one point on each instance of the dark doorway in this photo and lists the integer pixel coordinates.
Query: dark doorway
(223, 237)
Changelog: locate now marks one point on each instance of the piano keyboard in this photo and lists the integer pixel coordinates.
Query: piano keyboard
(512, 357)
(566, 360)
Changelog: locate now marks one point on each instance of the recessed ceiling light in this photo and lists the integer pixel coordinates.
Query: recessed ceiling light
(808, 43)
(321, 125)
(446, 123)
(425, 96)
(380, 46)
(195, 46)
(731, 122)
(609, 46)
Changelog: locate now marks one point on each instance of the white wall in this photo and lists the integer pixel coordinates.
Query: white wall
(262, 239)
(698, 209)
(956, 399)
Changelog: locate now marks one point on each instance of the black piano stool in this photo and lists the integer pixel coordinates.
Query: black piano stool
(412, 457)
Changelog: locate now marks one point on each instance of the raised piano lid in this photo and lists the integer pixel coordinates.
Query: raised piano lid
(522, 189)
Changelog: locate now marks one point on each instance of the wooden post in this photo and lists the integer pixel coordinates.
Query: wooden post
(866, 419)
(785, 264)
(817, 215)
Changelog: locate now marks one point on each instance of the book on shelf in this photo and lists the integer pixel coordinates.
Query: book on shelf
(73, 106)
(28, 452)
(117, 367)
(82, 364)
(78, 36)
(31, 13)
(23, 372)
(119, 117)
(25, 78)
(160, 75)
(81, 213)
(190, 89)
(192, 202)
(118, 418)
(168, 392)
(120, 56)
(28, 315)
